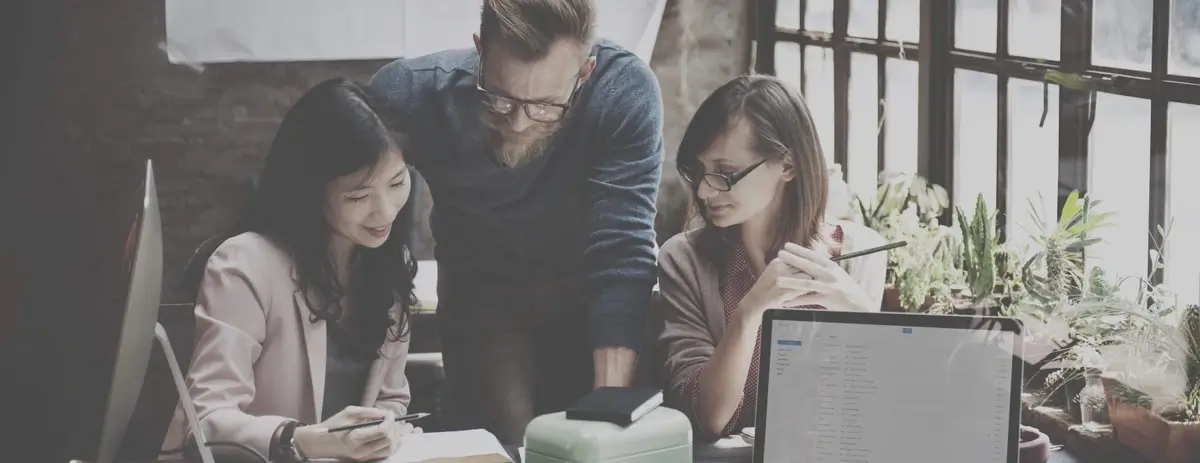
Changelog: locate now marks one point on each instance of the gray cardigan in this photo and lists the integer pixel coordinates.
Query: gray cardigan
(694, 313)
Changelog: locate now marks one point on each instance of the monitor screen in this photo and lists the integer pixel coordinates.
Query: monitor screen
(139, 314)
(851, 392)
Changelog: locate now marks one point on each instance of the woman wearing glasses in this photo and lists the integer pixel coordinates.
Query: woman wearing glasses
(753, 161)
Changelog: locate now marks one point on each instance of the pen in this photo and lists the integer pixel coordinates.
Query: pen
(405, 418)
(851, 255)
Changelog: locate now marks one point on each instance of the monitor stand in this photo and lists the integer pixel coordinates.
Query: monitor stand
(185, 399)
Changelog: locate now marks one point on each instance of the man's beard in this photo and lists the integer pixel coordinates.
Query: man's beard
(514, 150)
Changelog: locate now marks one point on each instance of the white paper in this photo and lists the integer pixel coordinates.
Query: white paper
(425, 446)
(215, 31)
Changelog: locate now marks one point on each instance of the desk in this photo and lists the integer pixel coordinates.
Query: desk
(734, 450)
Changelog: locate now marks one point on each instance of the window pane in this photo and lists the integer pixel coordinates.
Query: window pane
(787, 63)
(818, 90)
(975, 25)
(901, 116)
(974, 139)
(1183, 267)
(863, 151)
(904, 20)
(1032, 158)
(1185, 38)
(818, 15)
(1122, 32)
(1119, 170)
(1033, 28)
(787, 14)
(864, 18)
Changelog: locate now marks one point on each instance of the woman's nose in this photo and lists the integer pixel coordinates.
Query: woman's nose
(705, 191)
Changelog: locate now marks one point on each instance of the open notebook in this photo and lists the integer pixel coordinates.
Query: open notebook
(473, 446)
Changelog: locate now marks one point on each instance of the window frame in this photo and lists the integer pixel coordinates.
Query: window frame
(938, 61)
(767, 34)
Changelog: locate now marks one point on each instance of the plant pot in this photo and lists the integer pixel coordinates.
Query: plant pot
(891, 301)
(1148, 433)
(988, 308)
(1034, 446)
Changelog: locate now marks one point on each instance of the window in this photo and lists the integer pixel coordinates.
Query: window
(855, 63)
(1038, 98)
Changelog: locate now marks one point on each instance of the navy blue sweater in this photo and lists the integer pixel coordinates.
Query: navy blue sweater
(585, 206)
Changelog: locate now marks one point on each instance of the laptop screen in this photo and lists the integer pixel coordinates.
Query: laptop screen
(854, 392)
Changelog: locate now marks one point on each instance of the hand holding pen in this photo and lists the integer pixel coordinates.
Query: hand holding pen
(356, 433)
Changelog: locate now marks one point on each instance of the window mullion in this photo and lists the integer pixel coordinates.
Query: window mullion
(1073, 114)
(1002, 126)
(1158, 128)
(841, 85)
(881, 72)
(764, 32)
(935, 154)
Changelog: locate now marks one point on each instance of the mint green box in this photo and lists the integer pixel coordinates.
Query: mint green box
(662, 436)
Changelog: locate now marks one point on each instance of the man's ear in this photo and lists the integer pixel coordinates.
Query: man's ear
(478, 46)
(588, 67)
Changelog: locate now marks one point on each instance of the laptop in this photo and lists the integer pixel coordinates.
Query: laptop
(887, 387)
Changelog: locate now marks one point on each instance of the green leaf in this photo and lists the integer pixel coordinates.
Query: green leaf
(1070, 208)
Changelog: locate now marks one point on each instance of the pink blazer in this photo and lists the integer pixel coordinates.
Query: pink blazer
(258, 360)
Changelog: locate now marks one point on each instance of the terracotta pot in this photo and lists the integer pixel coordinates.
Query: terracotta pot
(891, 301)
(1148, 433)
(1034, 447)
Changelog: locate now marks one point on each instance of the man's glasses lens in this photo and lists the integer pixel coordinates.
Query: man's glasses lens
(538, 112)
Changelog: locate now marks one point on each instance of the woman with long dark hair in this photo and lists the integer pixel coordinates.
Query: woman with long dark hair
(302, 309)
(753, 161)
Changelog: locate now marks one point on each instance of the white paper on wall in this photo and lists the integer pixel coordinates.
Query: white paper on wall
(216, 31)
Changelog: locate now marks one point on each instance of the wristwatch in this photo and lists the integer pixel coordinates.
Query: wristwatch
(288, 450)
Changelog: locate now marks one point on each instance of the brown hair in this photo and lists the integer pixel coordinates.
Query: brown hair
(528, 28)
(783, 130)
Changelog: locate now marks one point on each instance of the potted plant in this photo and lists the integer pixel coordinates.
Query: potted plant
(1154, 394)
(1150, 351)
(1153, 388)
(980, 249)
(920, 275)
(1056, 270)
(1045, 290)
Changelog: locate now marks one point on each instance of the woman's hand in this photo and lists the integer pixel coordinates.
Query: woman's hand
(770, 291)
(362, 444)
(820, 281)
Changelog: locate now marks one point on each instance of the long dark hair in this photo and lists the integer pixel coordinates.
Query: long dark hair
(783, 130)
(332, 131)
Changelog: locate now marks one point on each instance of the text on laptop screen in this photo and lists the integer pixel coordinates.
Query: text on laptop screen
(849, 393)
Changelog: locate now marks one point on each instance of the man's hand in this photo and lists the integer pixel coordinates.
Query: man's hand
(614, 366)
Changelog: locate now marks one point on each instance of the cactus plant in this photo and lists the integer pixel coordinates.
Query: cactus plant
(980, 245)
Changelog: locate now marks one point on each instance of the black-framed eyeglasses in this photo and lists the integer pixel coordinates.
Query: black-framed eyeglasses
(718, 181)
(538, 111)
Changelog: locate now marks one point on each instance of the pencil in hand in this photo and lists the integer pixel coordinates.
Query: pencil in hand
(405, 418)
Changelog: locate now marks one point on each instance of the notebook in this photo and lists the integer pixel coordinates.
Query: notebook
(472, 446)
(617, 405)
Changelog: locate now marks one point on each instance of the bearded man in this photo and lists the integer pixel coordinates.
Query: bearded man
(542, 148)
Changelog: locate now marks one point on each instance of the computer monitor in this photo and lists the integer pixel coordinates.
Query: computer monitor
(896, 387)
(139, 315)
